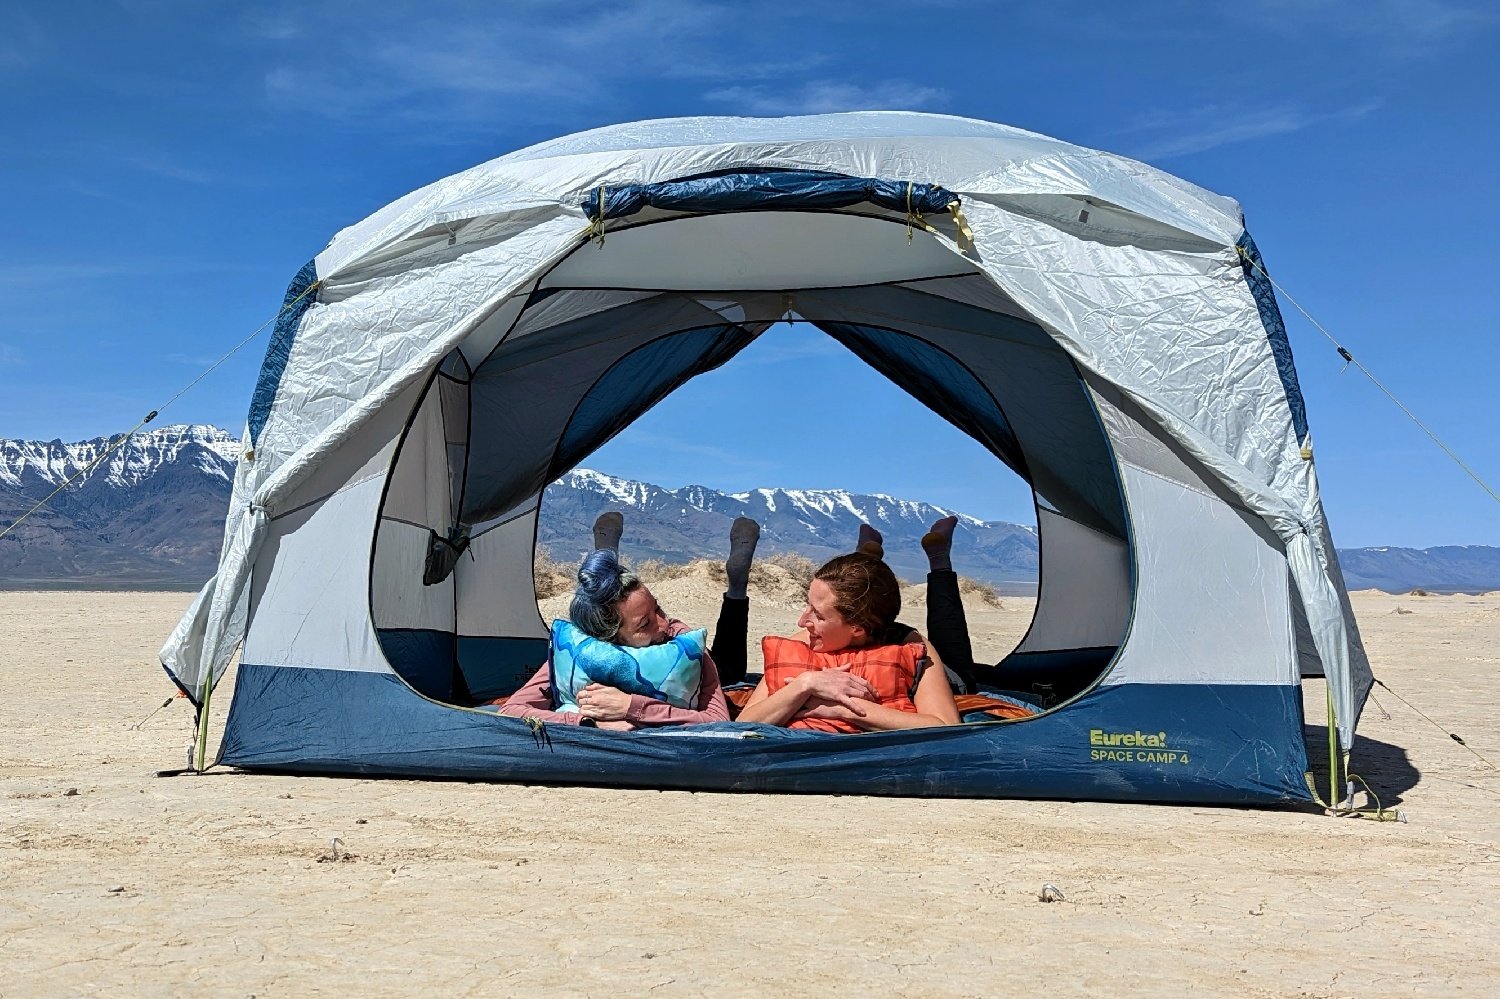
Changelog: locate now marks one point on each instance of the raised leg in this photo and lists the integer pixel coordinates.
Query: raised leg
(732, 632)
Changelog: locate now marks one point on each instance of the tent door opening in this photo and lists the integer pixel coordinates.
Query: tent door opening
(580, 364)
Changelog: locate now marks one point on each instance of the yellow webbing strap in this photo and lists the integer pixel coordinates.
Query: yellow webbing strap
(1346, 809)
(965, 234)
(916, 220)
(595, 229)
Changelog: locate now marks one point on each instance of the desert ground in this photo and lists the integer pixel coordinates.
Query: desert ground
(119, 882)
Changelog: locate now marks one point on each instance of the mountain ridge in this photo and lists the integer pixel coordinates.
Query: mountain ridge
(153, 514)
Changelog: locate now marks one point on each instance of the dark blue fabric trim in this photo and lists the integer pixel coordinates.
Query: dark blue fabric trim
(296, 303)
(782, 190)
(498, 667)
(1270, 318)
(425, 658)
(1224, 743)
(638, 381)
(937, 381)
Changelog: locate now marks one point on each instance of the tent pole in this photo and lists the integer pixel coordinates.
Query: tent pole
(1333, 752)
(202, 746)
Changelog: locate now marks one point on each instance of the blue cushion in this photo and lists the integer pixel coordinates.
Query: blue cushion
(669, 672)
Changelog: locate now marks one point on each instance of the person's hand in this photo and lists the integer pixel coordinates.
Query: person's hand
(615, 726)
(603, 704)
(834, 712)
(836, 686)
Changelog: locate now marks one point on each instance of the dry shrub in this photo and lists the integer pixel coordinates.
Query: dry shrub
(983, 592)
(654, 570)
(552, 578)
(798, 568)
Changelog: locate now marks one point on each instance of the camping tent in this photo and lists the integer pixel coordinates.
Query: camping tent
(1106, 330)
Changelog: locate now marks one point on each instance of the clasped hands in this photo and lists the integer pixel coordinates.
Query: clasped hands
(835, 694)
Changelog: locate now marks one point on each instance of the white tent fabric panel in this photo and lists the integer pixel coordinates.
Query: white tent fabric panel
(423, 316)
(496, 587)
(1180, 334)
(398, 599)
(366, 454)
(494, 328)
(967, 290)
(1083, 600)
(966, 156)
(1211, 592)
(420, 483)
(214, 624)
(561, 309)
(355, 357)
(1167, 318)
(758, 251)
(1165, 341)
(1134, 439)
(310, 598)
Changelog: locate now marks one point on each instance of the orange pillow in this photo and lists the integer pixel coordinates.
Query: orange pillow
(891, 669)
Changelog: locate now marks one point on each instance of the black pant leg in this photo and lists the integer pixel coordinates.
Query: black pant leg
(947, 627)
(731, 636)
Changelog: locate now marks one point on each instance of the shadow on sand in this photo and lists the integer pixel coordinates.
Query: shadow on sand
(1384, 767)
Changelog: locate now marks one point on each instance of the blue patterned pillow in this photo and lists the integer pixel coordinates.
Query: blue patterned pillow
(669, 672)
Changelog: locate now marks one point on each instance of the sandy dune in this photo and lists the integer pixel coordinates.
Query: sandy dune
(120, 883)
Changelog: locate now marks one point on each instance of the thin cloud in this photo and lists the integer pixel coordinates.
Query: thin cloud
(825, 96)
(51, 274)
(169, 169)
(724, 459)
(191, 360)
(456, 66)
(22, 41)
(1202, 129)
(460, 63)
(1399, 28)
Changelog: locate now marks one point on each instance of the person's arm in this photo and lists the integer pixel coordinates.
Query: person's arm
(647, 711)
(934, 697)
(933, 700)
(606, 704)
(837, 687)
(533, 701)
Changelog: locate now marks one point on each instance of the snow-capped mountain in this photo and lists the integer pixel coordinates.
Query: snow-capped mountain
(211, 450)
(152, 514)
(677, 524)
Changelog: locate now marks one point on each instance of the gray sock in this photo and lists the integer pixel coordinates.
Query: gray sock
(607, 530)
(938, 544)
(743, 535)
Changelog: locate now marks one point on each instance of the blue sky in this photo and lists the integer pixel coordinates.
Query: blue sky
(167, 166)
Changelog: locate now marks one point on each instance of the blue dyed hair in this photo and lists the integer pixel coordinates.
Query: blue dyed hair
(603, 581)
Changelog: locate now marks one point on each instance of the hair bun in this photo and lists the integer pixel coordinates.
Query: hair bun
(599, 575)
(602, 582)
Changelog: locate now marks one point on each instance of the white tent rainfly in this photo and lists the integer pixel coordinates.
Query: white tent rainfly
(1106, 330)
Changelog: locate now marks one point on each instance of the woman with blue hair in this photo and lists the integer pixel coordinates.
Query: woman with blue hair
(620, 662)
